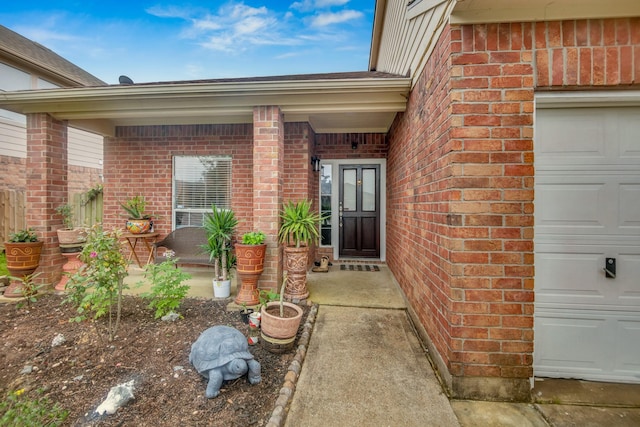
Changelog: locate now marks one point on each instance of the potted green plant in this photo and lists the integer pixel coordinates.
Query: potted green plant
(138, 221)
(299, 229)
(220, 224)
(250, 256)
(23, 258)
(69, 235)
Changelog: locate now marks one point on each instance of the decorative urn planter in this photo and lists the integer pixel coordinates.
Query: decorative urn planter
(23, 259)
(70, 236)
(296, 266)
(249, 265)
(138, 226)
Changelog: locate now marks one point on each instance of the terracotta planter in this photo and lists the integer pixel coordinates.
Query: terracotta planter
(22, 260)
(249, 265)
(296, 266)
(70, 236)
(138, 226)
(275, 326)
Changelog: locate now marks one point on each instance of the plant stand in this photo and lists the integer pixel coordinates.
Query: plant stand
(296, 266)
(249, 265)
(73, 263)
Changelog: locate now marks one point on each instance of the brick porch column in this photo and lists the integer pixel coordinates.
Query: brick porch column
(268, 171)
(46, 188)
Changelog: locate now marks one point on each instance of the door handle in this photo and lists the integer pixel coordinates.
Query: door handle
(610, 268)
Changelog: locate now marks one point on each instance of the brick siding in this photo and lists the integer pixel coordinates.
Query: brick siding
(460, 184)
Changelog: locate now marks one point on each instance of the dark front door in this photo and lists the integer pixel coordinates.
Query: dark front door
(359, 211)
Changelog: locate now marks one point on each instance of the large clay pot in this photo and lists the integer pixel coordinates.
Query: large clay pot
(249, 265)
(275, 326)
(296, 266)
(22, 260)
(70, 236)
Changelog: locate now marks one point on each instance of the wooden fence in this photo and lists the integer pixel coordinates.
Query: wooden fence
(13, 209)
(12, 213)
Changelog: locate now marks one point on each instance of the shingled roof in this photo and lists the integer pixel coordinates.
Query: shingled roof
(20, 50)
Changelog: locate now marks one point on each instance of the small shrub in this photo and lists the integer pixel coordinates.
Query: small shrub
(18, 410)
(97, 287)
(167, 290)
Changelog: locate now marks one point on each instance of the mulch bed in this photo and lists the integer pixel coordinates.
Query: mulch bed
(168, 391)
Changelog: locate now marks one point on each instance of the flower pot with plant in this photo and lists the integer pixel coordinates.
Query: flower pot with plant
(279, 323)
(69, 235)
(220, 224)
(138, 221)
(23, 258)
(298, 231)
(250, 256)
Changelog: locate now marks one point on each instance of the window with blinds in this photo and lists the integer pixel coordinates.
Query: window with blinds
(198, 183)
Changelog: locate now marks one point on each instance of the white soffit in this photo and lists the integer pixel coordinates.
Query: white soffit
(361, 105)
(491, 11)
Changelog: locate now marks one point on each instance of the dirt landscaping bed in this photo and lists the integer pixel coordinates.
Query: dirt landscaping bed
(79, 373)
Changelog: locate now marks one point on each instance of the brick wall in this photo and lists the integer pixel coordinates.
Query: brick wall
(12, 173)
(460, 186)
(138, 160)
(46, 189)
(80, 179)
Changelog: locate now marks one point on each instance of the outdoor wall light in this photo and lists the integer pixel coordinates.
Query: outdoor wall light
(354, 145)
(315, 162)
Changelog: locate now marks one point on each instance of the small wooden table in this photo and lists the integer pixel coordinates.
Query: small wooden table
(132, 240)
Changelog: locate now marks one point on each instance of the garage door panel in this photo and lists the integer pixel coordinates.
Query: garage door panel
(565, 346)
(627, 352)
(570, 135)
(587, 209)
(574, 205)
(629, 202)
(573, 275)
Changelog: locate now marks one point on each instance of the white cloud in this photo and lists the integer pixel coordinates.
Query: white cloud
(307, 5)
(330, 18)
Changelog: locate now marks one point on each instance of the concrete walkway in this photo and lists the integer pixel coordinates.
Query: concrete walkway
(365, 366)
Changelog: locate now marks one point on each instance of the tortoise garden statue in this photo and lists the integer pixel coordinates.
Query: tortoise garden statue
(221, 353)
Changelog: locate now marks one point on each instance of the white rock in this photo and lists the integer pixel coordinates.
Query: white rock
(171, 317)
(58, 340)
(118, 396)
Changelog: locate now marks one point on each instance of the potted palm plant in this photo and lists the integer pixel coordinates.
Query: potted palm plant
(23, 258)
(138, 221)
(69, 235)
(298, 231)
(220, 224)
(250, 256)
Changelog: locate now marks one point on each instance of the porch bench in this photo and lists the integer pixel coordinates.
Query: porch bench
(186, 243)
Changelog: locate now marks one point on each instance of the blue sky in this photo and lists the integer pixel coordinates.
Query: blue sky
(163, 41)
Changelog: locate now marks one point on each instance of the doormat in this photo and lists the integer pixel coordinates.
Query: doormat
(359, 267)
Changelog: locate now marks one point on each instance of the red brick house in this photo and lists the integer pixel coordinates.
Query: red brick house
(490, 158)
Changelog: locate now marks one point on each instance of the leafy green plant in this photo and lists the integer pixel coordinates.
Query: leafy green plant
(135, 207)
(220, 224)
(167, 290)
(28, 288)
(3, 264)
(253, 238)
(92, 194)
(299, 223)
(266, 296)
(18, 410)
(66, 211)
(27, 235)
(97, 286)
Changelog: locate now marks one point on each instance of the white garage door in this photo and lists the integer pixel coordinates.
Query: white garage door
(587, 209)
